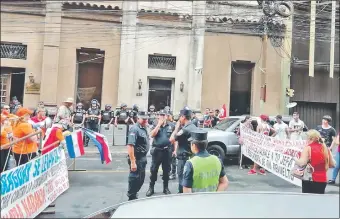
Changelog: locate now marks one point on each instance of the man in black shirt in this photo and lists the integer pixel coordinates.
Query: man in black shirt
(160, 151)
(327, 132)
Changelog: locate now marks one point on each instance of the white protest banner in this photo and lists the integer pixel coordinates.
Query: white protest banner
(274, 155)
(30, 188)
(86, 94)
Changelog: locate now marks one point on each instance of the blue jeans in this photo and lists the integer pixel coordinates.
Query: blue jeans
(337, 166)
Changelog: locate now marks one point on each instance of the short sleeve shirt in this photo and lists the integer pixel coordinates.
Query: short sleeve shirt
(139, 139)
(26, 146)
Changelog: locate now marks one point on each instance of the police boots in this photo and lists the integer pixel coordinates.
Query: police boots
(166, 189)
(150, 191)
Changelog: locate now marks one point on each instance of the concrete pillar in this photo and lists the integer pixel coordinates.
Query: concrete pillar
(50, 63)
(126, 83)
(196, 55)
(286, 66)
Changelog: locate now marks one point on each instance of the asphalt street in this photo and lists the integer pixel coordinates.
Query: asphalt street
(103, 185)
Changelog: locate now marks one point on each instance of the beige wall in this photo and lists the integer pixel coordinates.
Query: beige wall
(25, 29)
(75, 34)
(217, 71)
(88, 34)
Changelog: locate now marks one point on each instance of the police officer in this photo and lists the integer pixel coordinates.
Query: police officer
(195, 120)
(133, 114)
(152, 115)
(173, 159)
(107, 115)
(203, 172)
(122, 115)
(181, 134)
(160, 151)
(79, 115)
(93, 118)
(138, 146)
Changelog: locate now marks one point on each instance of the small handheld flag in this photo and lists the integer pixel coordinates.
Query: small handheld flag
(75, 144)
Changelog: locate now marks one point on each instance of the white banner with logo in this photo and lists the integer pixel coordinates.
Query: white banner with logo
(274, 155)
(30, 188)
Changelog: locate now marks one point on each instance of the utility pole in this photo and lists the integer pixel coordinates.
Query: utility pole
(331, 57)
(312, 38)
(264, 64)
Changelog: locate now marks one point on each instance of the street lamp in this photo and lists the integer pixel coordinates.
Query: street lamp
(181, 86)
(140, 84)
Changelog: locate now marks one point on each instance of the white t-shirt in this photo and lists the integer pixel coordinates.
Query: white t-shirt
(280, 130)
(296, 135)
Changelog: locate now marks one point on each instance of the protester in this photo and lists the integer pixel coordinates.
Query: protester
(243, 159)
(296, 127)
(319, 157)
(264, 128)
(39, 118)
(327, 132)
(24, 150)
(53, 135)
(5, 137)
(337, 160)
(65, 112)
(281, 128)
(41, 105)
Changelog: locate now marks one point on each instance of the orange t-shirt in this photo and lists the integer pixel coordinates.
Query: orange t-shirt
(26, 146)
(4, 138)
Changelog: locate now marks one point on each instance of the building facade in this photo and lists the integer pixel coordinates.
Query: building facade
(163, 53)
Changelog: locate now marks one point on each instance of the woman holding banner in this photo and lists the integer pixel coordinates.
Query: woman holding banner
(320, 158)
(337, 160)
(24, 150)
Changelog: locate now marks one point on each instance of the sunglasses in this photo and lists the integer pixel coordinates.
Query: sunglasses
(6, 108)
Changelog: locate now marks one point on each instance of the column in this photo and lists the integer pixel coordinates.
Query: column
(50, 63)
(286, 66)
(196, 55)
(126, 83)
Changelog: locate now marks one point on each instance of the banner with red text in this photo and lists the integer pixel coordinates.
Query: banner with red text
(30, 188)
(274, 155)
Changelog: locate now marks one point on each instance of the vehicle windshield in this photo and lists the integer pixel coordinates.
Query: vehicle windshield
(223, 125)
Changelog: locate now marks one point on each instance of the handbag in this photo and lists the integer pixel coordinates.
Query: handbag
(304, 173)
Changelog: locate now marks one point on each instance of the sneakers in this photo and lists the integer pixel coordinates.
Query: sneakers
(252, 172)
(262, 172)
(331, 182)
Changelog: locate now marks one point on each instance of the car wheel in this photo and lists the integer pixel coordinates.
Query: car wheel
(217, 151)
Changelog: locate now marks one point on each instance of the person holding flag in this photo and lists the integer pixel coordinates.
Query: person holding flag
(54, 134)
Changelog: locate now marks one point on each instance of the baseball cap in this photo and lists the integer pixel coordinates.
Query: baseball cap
(185, 111)
(142, 115)
(23, 111)
(264, 117)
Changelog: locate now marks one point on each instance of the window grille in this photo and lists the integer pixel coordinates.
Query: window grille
(162, 62)
(13, 51)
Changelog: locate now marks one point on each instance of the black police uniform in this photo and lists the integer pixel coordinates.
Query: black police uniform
(92, 122)
(152, 117)
(195, 121)
(78, 115)
(133, 114)
(184, 149)
(138, 138)
(173, 159)
(122, 115)
(161, 152)
(107, 115)
(198, 135)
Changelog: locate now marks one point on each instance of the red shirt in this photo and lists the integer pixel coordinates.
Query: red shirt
(318, 163)
(36, 119)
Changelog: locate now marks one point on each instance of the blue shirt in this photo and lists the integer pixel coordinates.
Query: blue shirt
(161, 140)
(139, 139)
(189, 171)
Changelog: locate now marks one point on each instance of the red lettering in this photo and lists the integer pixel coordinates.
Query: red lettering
(34, 202)
(15, 212)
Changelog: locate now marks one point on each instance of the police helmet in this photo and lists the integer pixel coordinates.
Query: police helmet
(79, 105)
(108, 106)
(152, 107)
(123, 105)
(186, 111)
(135, 107)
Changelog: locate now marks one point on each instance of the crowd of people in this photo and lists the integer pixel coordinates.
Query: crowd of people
(178, 146)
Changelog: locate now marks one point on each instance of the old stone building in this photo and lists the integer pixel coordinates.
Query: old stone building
(195, 53)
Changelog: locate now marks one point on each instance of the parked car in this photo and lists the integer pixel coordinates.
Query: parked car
(223, 139)
(227, 205)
